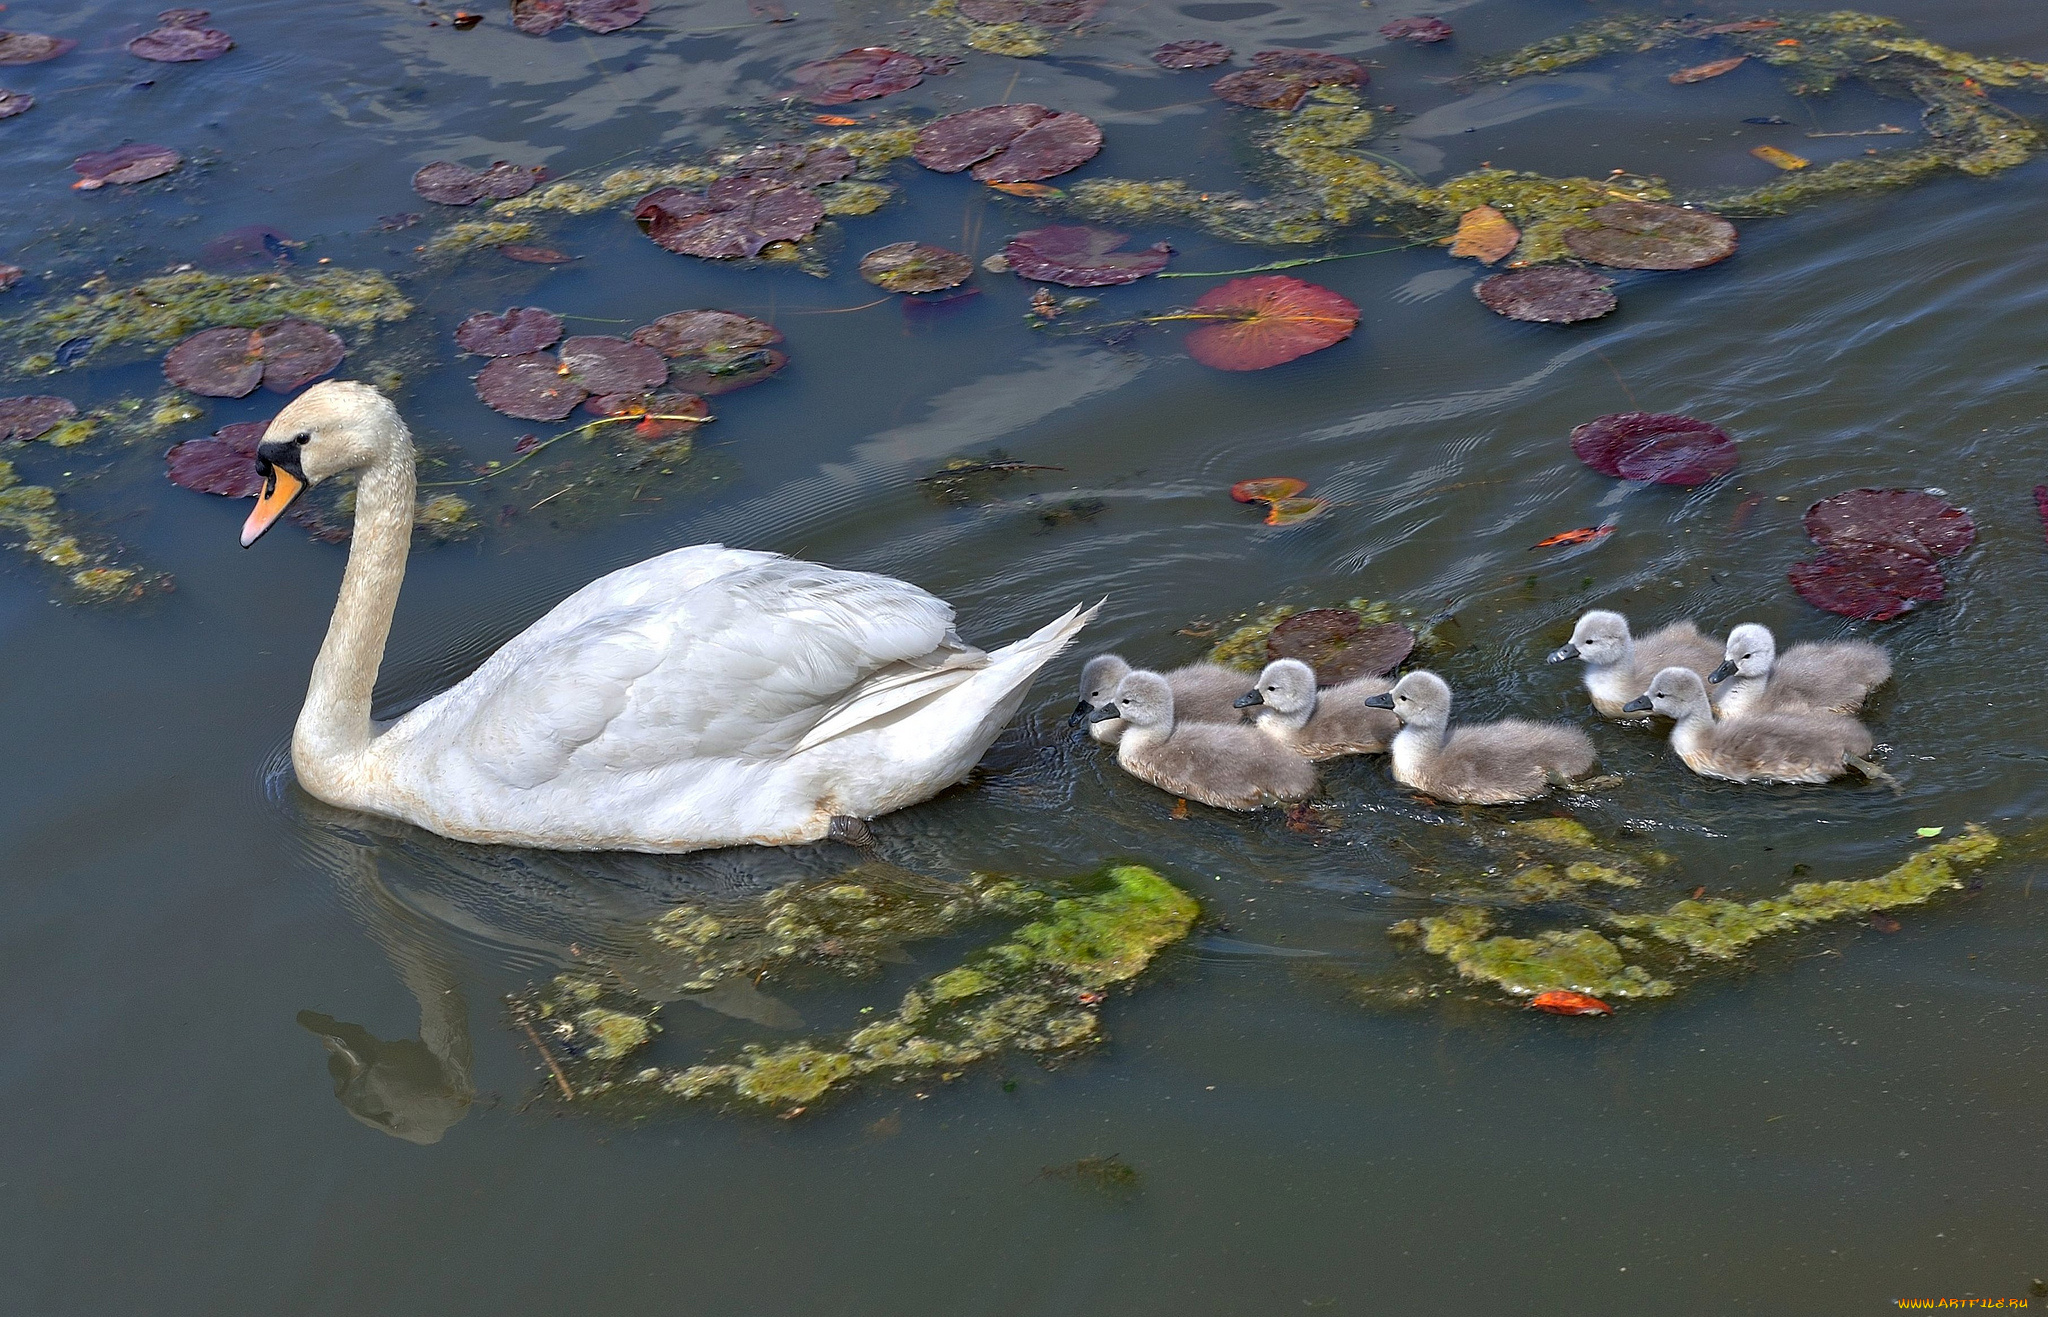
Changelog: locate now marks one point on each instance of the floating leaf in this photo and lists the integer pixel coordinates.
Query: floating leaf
(1711, 69)
(1583, 535)
(834, 120)
(1339, 645)
(1317, 67)
(15, 102)
(1867, 582)
(537, 18)
(531, 387)
(252, 246)
(1294, 511)
(513, 333)
(9, 276)
(224, 464)
(295, 353)
(1661, 448)
(32, 47)
(1927, 832)
(1906, 520)
(1278, 79)
(1486, 234)
(714, 352)
(1077, 256)
(1045, 13)
(1548, 294)
(857, 75)
(26, 417)
(1423, 31)
(1558, 1001)
(1269, 319)
(662, 415)
(1036, 191)
(915, 267)
(1190, 54)
(231, 362)
(1782, 159)
(534, 255)
(606, 365)
(1265, 489)
(603, 16)
(795, 162)
(1048, 148)
(1008, 143)
(458, 185)
(134, 163)
(1646, 235)
(734, 217)
(183, 42)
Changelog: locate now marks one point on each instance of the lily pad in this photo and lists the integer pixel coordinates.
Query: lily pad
(1423, 31)
(1548, 294)
(915, 267)
(250, 247)
(1008, 143)
(714, 352)
(296, 352)
(1191, 54)
(1270, 319)
(458, 185)
(1647, 235)
(796, 162)
(518, 331)
(1863, 580)
(26, 417)
(537, 18)
(534, 255)
(15, 102)
(603, 16)
(1045, 13)
(1909, 521)
(183, 42)
(1278, 79)
(231, 362)
(857, 75)
(1076, 256)
(734, 217)
(224, 464)
(134, 163)
(532, 387)
(1661, 448)
(32, 47)
(951, 144)
(606, 365)
(1045, 149)
(1339, 645)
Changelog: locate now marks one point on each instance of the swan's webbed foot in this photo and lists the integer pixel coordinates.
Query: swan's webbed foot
(850, 831)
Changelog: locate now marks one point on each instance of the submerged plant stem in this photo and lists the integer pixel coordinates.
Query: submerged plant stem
(1284, 265)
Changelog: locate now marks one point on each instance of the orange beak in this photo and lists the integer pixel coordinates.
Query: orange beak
(280, 487)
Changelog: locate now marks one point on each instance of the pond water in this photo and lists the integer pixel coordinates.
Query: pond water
(1849, 1116)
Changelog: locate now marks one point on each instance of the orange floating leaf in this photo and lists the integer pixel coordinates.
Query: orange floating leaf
(1265, 489)
(1486, 234)
(834, 120)
(1033, 190)
(1782, 159)
(1560, 1002)
(1583, 535)
(1789, 41)
(1294, 511)
(1711, 69)
(1268, 319)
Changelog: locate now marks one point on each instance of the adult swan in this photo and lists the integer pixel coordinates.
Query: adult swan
(707, 697)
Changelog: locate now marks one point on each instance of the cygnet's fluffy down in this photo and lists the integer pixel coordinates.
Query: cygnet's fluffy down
(1483, 764)
(1619, 666)
(1758, 747)
(1320, 724)
(1202, 693)
(1221, 764)
(1832, 676)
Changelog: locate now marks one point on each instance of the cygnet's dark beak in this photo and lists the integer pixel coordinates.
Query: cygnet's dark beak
(1722, 673)
(1640, 704)
(1080, 714)
(1383, 700)
(1247, 700)
(1103, 713)
(1563, 652)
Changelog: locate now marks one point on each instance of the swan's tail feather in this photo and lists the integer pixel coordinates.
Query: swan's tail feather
(1051, 638)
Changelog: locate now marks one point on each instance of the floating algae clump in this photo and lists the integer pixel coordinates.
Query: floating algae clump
(572, 198)
(1718, 928)
(616, 1033)
(848, 197)
(29, 517)
(1579, 960)
(469, 235)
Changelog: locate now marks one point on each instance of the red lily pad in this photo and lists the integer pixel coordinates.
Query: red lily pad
(534, 255)
(532, 387)
(1866, 581)
(857, 75)
(1548, 294)
(1269, 319)
(537, 18)
(134, 163)
(1559, 1001)
(231, 362)
(458, 185)
(915, 267)
(1647, 235)
(1047, 148)
(1045, 13)
(606, 365)
(1423, 31)
(1278, 79)
(183, 42)
(296, 352)
(1664, 449)
(15, 102)
(1191, 54)
(662, 415)
(734, 217)
(1338, 645)
(32, 47)
(514, 333)
(224, 464)
(1264, 489)
(1077, 256)
(1008, 143)
(26, 417)
(1904, 520)
(714, 352)
(795, 162)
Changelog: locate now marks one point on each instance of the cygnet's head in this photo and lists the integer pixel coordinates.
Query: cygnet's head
(1752, 649)
(1142, 699)
(1600, 638)
(335, 426)
(1420, 699)
(1287, 686)
(1099, 678)
(1675, 693)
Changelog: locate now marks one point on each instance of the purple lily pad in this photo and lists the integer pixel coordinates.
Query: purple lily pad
(1047, 148)
(1423, 31)
(216, 363)
(182, 43)
(1910, 521)
(1867, 581)
(1647, 235)
(1080, 257)
(1548, 294)
(224, 464)
(534, 255)
(134, 163)
(915, 267)
(514, 333)
(714, 352)
(458, 185)
(1190, 54)
(951, 144)
(32, 47)
(537, 18)
(1278, 79)
(1665, 449)
(250, 247)
(296, 352)
(1338, 645)
(1045, 13)
(606, 365)
(532, 387)
(857, 75)
(15, 102)
(795, 162)
(25, 418)
(733, 217)
(603, 16)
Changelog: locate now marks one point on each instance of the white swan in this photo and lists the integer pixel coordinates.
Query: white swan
(705, 697)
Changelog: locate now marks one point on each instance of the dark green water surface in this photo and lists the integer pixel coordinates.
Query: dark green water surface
(1848, 1118)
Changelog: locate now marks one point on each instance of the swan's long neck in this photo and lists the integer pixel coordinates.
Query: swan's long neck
(334, 725)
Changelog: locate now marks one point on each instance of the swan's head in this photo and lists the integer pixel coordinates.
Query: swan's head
(335, 426)
(1142, 699)
(1676, 693)
(1420, 699)
(1099, 678)
(1600, 638)
(1751, 651)
(1287, 686)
